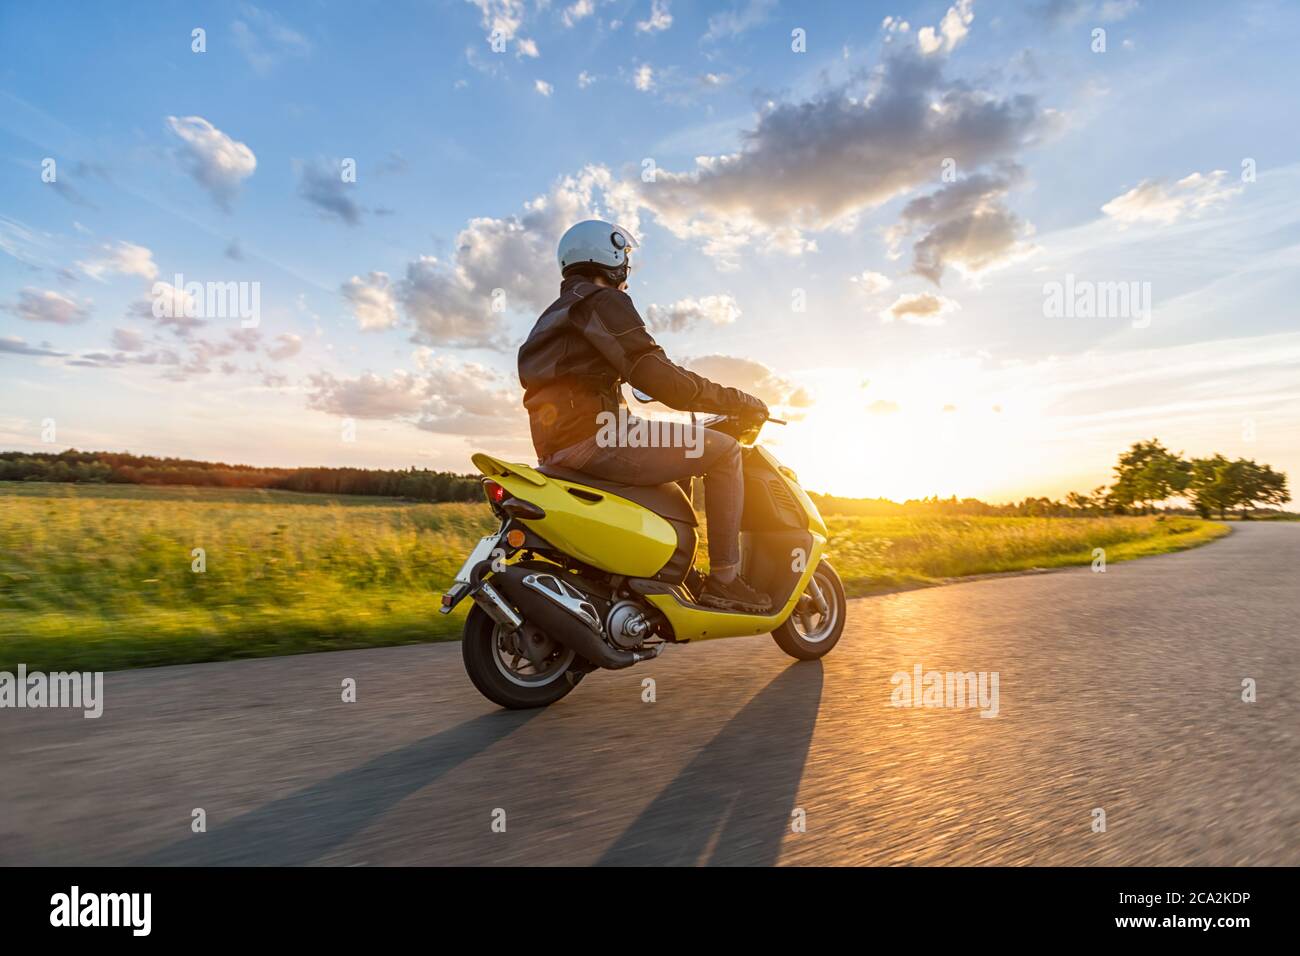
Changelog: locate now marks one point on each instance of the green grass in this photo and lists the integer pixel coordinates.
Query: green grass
(98, 577)
(878, 554)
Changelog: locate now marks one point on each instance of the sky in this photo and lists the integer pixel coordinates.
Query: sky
(965, 248)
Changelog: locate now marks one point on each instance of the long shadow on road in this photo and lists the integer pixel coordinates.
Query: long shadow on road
(732, 804)
(301, 827)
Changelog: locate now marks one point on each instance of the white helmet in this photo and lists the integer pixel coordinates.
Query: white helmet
(597, 243)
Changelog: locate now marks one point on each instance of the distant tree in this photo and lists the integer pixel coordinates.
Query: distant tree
(1147, 474)
(1212, 486)
(125, 468)
(1259, 483)
(1220, 485)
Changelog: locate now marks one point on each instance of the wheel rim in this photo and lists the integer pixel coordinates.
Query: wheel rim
(809, 622)
(519, 670)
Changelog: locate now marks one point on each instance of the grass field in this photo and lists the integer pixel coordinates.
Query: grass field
(99, 577)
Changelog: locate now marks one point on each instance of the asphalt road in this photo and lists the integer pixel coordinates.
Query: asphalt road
(1119, 691)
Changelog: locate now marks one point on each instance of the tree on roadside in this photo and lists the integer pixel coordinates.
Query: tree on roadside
(1218, 484)
(1259, 483)
(1147, 474)
(1212, 486)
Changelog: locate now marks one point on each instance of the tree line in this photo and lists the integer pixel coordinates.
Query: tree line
(1146, 475)
(124, 468)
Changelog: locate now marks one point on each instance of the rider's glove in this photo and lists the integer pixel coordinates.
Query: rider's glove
(752, 408)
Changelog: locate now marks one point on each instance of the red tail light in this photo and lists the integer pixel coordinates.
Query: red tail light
(495, 493)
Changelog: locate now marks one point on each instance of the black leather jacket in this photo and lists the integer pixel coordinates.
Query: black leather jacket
(586, 343)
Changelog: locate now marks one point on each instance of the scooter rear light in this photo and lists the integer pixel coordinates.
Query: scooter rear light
(495, 492)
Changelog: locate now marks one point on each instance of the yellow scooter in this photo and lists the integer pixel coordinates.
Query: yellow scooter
(585, 574)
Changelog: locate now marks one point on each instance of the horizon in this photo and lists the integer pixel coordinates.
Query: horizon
(1175, 501)
(943, 239)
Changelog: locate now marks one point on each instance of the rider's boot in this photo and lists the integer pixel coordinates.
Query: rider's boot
(734, 595)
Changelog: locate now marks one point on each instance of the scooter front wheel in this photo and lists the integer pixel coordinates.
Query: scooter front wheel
(817, 621)
(502, 674)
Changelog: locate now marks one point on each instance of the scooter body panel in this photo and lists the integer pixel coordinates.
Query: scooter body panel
(690, 622)
(596, 527)
(783, 538)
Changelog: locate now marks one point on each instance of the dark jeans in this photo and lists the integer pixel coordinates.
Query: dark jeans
(718, 460)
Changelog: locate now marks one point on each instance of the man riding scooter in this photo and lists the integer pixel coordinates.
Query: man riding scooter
(572, 365)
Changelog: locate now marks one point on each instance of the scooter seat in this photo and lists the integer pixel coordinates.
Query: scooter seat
(667, 501)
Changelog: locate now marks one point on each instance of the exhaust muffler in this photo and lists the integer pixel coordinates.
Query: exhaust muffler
(565, 614)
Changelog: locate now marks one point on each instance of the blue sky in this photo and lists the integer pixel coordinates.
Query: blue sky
(861, 231)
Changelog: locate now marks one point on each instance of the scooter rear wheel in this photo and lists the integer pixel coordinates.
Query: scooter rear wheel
(505, 677)
(809, 632)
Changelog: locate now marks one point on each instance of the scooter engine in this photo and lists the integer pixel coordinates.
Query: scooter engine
(626, 625)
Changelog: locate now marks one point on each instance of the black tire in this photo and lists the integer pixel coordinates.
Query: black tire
(794, 643)
(478, 649)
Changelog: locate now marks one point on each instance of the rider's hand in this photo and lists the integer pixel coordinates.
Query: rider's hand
(752, 408)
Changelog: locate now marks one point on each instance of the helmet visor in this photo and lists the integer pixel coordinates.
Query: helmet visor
(623, 238)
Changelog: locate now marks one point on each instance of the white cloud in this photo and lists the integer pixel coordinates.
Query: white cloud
(373, 304)
(820, 164)
(45, 305)
(13, 345)
(921, 308)
(502, 19)
(752, 377)
(953, 28)
(500, 265)
(217, 162)
(871, 282)
(287, 346)
(966, 225)
(122, 258)
(1154, 200)
(445, 396)
(687, 313)
(660, 18)
(578, 11)
(170, 306)
(127, 339)
(544, 88)
(644, 78)
(446, 306)
(585, 80)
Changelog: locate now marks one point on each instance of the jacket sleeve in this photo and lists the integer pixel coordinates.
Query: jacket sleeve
(615, 329)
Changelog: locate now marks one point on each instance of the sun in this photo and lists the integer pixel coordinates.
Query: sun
(934, 427)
